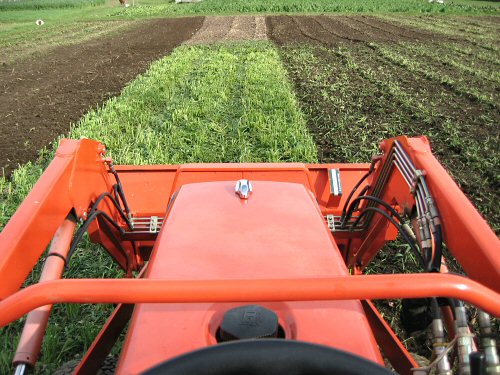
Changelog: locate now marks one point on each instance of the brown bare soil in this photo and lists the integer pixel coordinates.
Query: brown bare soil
(238, 28)
(39, 99)
(330, 30)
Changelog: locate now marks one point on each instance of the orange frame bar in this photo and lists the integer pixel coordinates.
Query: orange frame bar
(171, 291)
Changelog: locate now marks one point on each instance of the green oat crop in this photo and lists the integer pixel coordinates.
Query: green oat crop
(205, 104)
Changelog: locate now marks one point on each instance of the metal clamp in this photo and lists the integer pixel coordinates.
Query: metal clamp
(243, 188)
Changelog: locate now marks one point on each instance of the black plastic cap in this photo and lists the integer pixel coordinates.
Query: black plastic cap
(248, 322)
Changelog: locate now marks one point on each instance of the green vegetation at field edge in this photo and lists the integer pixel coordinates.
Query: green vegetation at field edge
(218, 7)
(164, 8)
(47, 4)
(226, 103)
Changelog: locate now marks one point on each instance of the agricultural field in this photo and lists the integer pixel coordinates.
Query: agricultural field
(434, 77)
(216, 85)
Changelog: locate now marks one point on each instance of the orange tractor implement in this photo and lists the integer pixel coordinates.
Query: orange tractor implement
(255, 268)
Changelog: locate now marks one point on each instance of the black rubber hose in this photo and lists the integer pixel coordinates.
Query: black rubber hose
(352, 206)
(365, 176)
(115, 203)
(81, 231)
(361, 193)
(398, 226)
(120, 188)
(117, 195)
(435, 311)
(435, 264)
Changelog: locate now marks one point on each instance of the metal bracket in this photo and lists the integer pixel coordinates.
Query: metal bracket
(146, 225)
(335, 183)
(243, 188)
(153, 224)
(330, 219)
(335, 187)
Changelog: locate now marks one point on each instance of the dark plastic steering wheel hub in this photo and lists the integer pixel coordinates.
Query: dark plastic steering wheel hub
(268, 357)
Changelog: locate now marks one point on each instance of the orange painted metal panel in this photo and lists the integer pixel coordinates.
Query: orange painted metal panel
(277, 233)
(159, 180)
(147, 191)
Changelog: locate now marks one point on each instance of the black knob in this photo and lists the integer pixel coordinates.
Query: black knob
(248, 322)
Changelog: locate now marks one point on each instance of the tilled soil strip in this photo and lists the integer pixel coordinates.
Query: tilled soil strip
(39, 99)
(238, 28)
(331, 30)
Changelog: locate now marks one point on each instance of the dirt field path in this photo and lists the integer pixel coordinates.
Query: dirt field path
(238, 28)
(39, 99)
(330, 30)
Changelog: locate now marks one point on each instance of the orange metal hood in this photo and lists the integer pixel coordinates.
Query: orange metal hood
(211, 233)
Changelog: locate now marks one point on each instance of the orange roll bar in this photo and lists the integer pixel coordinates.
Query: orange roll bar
(36, 322)
(171, 291)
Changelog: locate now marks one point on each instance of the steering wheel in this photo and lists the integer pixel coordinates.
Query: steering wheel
(268, 357)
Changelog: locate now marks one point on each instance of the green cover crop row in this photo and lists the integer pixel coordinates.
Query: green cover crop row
(205, 104)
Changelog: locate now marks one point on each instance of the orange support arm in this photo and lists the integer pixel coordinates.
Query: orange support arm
(466, 234)
(75, 177)
(168, 291)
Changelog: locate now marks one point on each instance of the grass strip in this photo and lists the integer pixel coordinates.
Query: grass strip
(205, 104)
(223, 103)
